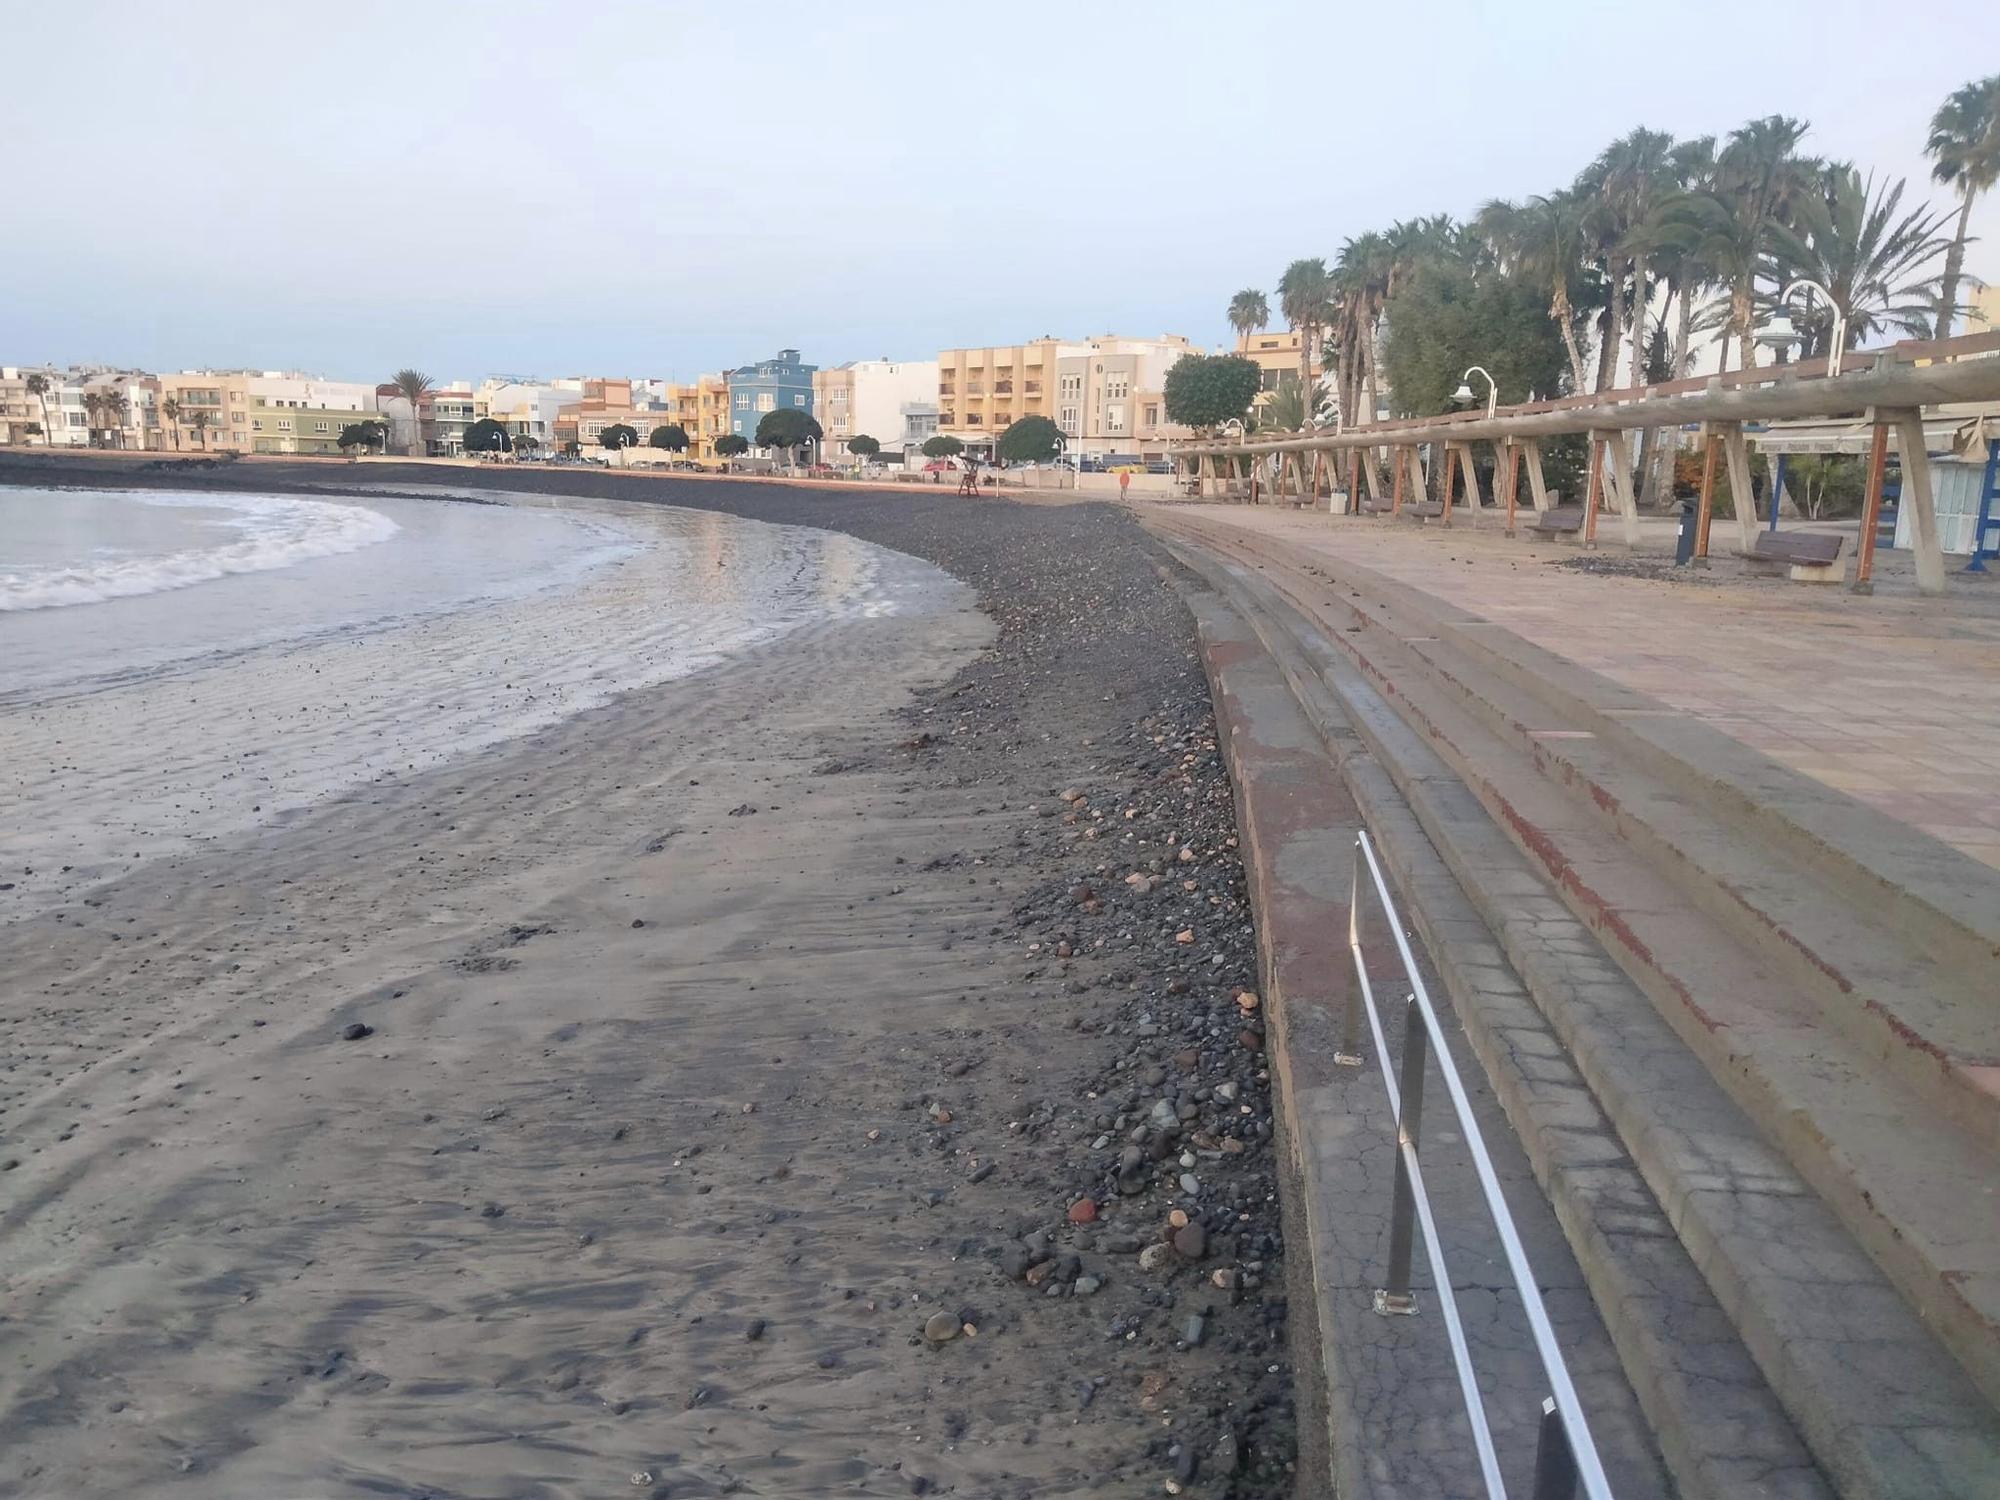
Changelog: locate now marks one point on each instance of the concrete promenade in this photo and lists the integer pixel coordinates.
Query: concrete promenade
(1893, 699)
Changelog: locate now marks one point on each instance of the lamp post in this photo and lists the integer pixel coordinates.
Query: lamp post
(1837, 340)
(1464, 391)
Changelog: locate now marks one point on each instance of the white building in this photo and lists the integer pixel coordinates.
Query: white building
(292, 412)
(893, 401)
(526, 409)
(1109, 394)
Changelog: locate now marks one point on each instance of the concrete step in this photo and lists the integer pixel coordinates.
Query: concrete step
(1887, 1147)
(1921, 996)
(1884, 1408)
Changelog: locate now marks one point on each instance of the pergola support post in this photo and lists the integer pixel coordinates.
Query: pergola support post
(1917, 496)
(1871, 507)
(1743, 500)
(1596, 494)
(1709, 446)
(1619, 457)
(1538, 482)
(1470, 473)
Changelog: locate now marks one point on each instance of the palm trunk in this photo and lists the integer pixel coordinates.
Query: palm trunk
(1743, 312)
(1559, 310)
(1614, 333)
(1954, 264)
(1683, 299)
(1638, 321)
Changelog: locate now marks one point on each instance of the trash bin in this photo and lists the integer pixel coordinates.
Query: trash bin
(1684, 543)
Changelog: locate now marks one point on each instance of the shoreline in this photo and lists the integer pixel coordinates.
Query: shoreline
(563, 1218)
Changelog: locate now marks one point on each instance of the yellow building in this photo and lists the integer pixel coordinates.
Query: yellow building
(1982, 311)
(981, 392)
(206, 411)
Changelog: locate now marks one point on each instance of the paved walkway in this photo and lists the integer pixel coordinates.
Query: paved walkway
(1894, 699)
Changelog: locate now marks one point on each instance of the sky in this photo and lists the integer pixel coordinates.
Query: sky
(662, 189)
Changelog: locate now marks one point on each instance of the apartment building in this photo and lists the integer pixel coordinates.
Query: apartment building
(607, 403)
(892, 401)
(981, 392)
(206, 411)
(766, 386)
(442, 417)
(528, 409)
(20, 408)
(1276, 356)
(294, 413)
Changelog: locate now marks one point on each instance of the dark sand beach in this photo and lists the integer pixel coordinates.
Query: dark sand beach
(772, 1083)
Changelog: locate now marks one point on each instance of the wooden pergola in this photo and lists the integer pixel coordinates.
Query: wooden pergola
(1888, 390)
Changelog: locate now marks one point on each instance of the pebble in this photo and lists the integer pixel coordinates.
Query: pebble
(1194, 1330)
(1087, 1285)
(1192, 1241)
(1156, 1257)
(1190, 1184)
(754, 1330)
(1083, 1211)
(941, 1328)
(354, 1031)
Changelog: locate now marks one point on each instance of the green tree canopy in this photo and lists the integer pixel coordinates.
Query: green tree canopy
(363, 434)
(1205, 390)
(731, 444)
(1444, 318)
(1031, 440)
(670, 436)
(861, 445)
(525, 444)
(944, 445)
(488, 436)
(787, 427)
(618, 435)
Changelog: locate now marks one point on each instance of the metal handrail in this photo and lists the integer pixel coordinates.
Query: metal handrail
(1567, 1456)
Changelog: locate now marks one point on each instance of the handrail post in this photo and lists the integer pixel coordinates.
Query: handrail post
(1555, 1465)
(1349, 1055)
(1397, 1297)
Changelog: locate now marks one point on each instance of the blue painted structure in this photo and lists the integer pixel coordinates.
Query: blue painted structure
(768, 385)
(1989, 492)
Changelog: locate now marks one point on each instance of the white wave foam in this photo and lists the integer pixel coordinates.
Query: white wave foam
(273, 531)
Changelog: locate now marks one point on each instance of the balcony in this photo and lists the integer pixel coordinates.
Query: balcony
(1003, 387)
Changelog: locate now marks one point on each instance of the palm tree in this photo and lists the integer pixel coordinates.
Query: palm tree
(1542, 241)
(1631, 177)
(1249, 312)
(1878, 262)
(170, 408)
(1305, 296)
(93, 406)
(38, 387)
(1964, 144)
(1757, 185)
(413, 385)
(116, 407)
(1361, 279)
(198, 420)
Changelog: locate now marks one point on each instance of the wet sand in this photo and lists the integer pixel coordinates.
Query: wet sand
(721, 1038)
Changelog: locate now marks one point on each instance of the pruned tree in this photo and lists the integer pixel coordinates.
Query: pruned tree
(731, 445)
(1031, 440)
(787, 428)
(1205, 390)
(364, 435)
(618, 435)
(670, 436)
(942, 445)
(861, 445)
(488, 436)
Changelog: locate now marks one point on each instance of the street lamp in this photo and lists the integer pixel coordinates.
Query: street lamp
(1837, 340)
(1464, 391)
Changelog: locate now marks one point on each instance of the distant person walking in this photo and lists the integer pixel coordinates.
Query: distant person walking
(1124, 482)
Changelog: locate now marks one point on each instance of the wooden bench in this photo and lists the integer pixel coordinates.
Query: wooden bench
(1807, 556)
(1375, 507)
(1557, 520)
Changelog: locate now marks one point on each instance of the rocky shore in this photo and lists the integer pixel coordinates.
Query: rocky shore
(768, 1104)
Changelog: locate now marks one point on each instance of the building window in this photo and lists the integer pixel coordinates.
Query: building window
(319, 427)
(766, 401)
(284, 424)
(1114, 419)
(1152, 414)
(798, 399)
(743, 401)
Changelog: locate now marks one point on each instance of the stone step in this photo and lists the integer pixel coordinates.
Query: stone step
(1884, 1408)
(1916, 1189)
(1928, 1008)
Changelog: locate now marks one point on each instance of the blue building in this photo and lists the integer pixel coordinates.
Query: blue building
(767, 386)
